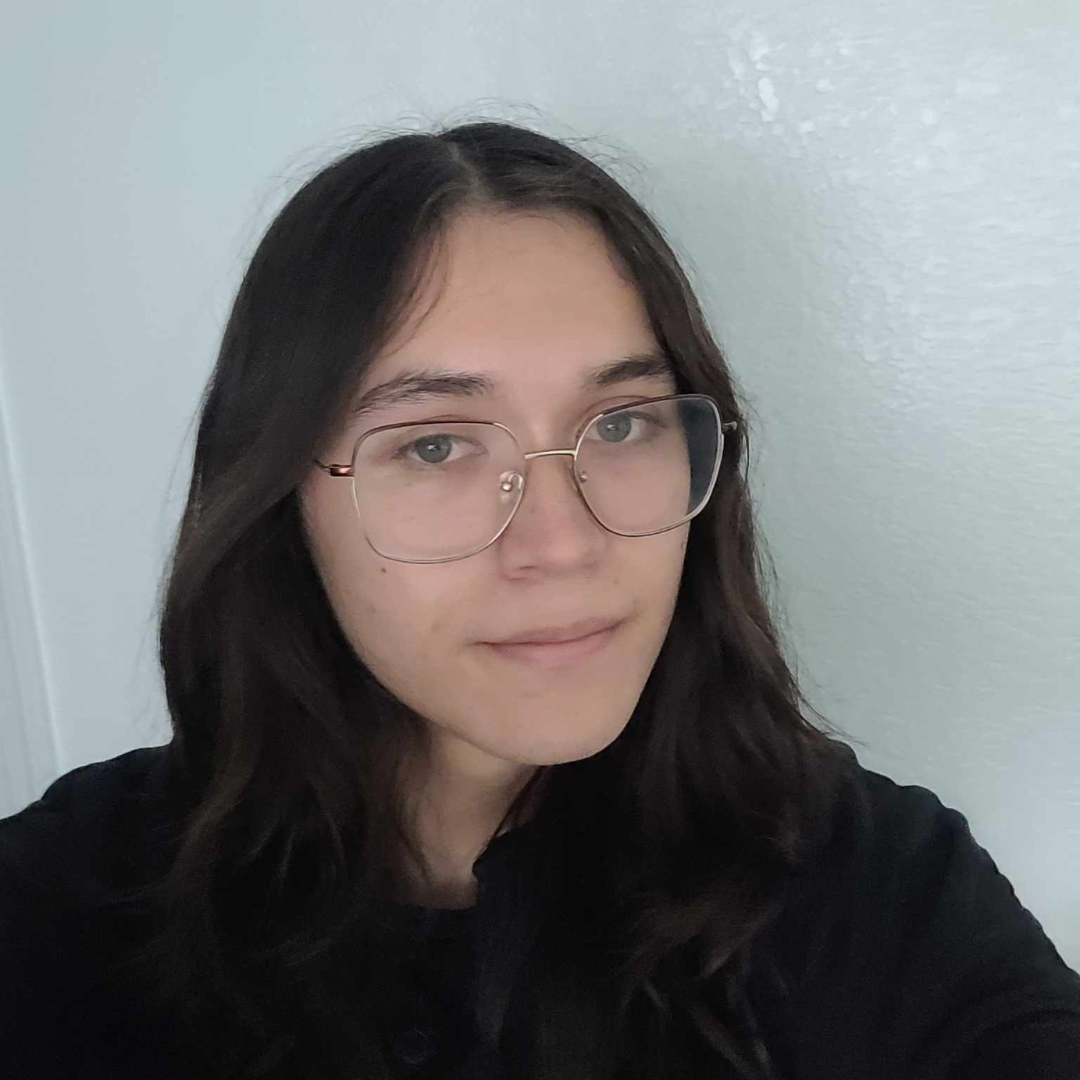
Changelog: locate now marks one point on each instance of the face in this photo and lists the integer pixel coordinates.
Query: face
(532, 305)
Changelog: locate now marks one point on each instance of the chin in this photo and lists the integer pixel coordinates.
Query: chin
(561, 743)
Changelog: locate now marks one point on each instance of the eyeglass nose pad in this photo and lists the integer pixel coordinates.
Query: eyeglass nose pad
(510, 484)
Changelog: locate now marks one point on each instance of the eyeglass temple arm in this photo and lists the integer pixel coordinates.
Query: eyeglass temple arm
(346, 470)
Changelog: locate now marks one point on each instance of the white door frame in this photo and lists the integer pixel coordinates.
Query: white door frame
(28, 747)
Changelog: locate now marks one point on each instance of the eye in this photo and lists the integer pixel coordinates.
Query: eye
(631, 426)
(436, 448)
(433, 449)
(615, 428)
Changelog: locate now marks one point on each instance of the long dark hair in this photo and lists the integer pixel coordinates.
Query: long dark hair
(271, 947)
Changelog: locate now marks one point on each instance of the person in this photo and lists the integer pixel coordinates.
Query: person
(486, 760)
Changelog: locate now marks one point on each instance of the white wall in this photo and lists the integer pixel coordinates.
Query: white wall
(881, 203)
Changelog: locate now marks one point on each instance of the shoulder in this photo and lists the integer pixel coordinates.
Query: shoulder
(73, 864)
(876, 822)
(73, 841)
(96, 781)
(80, 803)
(901, 928)
(904, 867)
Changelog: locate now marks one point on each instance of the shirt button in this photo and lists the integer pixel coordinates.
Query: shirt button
(414, 1045)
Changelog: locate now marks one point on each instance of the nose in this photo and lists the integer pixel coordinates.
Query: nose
(552, 528)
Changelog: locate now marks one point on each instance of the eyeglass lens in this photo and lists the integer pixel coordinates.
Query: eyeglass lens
(446, 489)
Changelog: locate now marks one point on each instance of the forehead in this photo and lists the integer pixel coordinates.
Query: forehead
(531, 300)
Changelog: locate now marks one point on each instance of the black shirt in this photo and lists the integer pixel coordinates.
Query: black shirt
(905, 953)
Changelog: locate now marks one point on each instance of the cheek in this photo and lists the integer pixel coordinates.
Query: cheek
(393, 614)
(350, 572)
(371, 607)
(660, 575)
(398, 618)
(657, 562)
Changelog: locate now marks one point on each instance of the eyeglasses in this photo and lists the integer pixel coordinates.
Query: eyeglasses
(435, 491)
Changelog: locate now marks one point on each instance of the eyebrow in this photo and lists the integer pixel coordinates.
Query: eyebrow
(427, 385)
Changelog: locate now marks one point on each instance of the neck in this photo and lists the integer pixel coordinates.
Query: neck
(460, 800)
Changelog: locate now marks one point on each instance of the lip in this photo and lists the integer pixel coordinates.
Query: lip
(557, 646)
(551, 635)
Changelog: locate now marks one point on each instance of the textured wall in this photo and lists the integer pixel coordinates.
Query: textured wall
(880, 202)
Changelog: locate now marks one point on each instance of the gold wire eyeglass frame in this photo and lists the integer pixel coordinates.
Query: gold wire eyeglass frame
(337, 470)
